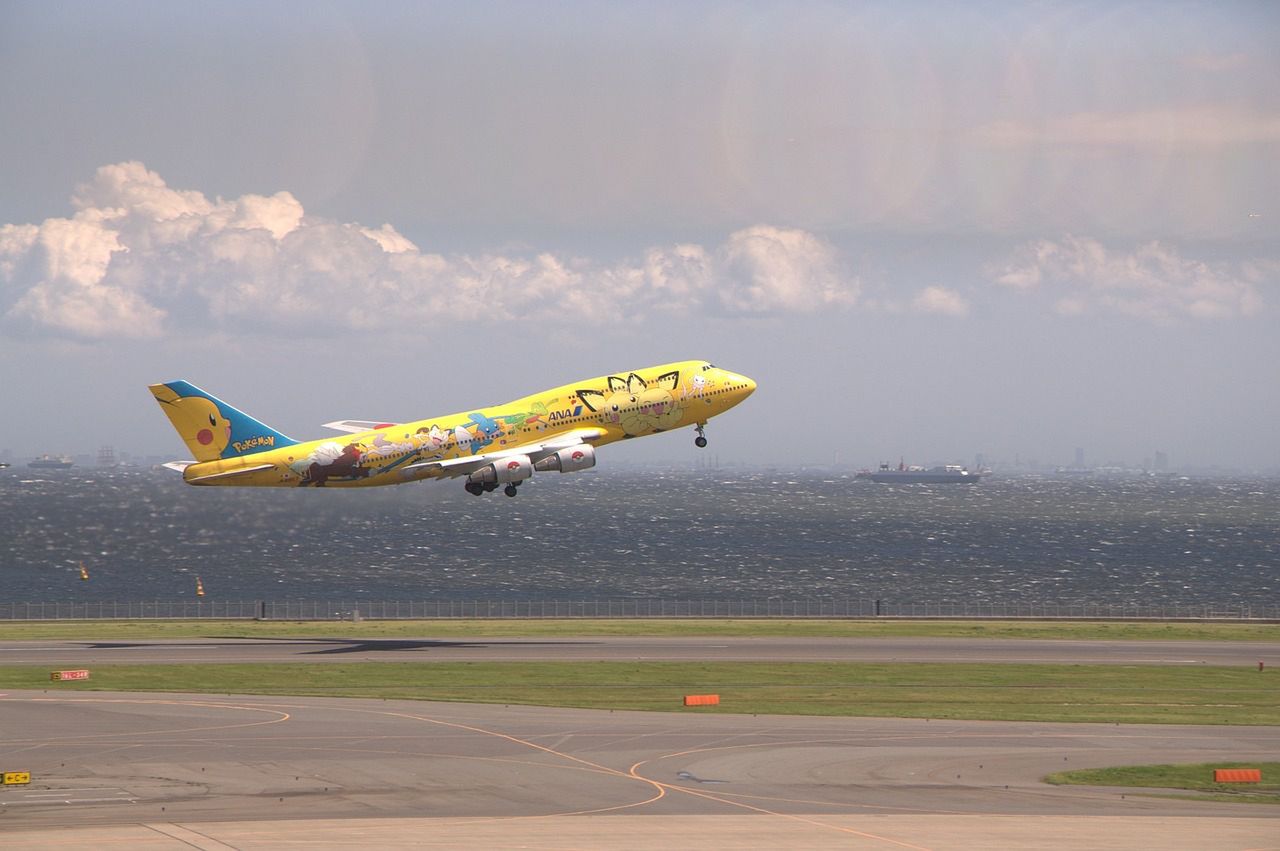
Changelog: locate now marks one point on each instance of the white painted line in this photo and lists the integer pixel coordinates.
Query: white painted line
(69, 801)
(62, 648)
(1105, 660)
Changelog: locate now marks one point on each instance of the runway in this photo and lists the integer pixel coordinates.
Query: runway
(685, 648)
(216, 772)
(175, 771)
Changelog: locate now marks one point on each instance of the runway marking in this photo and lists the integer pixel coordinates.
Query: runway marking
(60, 796)
(70, 801)
(802, 819)
(187, 836)
(661, 790)
(86, 647)
(73, 789)
(827, 741)
(284, 716)
(661, 787)
(1213, 705)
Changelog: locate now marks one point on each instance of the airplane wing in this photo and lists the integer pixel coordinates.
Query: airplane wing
(356, 426)
(537, 450)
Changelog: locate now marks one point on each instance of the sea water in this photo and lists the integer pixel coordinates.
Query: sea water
(609, 534)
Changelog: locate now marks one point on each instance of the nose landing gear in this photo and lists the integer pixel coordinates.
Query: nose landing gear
(701, 440)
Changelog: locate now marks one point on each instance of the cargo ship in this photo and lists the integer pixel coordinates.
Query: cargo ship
(903, 474)
(51, 462)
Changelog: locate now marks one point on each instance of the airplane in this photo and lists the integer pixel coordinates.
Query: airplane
(555, 430)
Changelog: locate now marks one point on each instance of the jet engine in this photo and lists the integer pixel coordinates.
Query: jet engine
(568, 460)
(513, 468)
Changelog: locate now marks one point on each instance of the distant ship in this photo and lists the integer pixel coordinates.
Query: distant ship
(902, 474)
(51, 462)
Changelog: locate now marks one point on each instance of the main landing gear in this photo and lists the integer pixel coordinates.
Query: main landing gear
(701, 440)
(476, 489)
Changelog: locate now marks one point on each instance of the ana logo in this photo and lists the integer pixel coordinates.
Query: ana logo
(565, 413)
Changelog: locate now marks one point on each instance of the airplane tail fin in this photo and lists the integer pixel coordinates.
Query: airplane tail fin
(211, 428)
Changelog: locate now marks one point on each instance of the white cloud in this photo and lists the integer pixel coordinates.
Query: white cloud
(391, 241)
(128, 188)
(774, 269)
(280, 214)
(138, 258)
(940, 300)
(1152, 281)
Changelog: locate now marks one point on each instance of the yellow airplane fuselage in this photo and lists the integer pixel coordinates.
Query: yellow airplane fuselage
(587, 413)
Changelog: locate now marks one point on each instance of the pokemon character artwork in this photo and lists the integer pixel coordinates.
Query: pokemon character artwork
(556, 430)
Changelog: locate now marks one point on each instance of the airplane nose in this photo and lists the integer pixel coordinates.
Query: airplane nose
(743, 385)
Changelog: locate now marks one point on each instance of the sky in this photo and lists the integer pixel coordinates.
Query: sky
(928, 230)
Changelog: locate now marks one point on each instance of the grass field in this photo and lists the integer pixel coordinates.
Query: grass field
(1112, 694)
(1195, 777)
(1064, 630)
(1091, 693)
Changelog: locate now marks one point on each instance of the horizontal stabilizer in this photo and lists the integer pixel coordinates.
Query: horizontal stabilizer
(357, 426)
(178, 465)
(229, 473)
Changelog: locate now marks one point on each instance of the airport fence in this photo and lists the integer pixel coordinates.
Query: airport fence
(334, 610)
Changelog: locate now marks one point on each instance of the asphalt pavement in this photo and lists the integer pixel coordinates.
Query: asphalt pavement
(181, 771)
(215, 772)
(687, 649)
